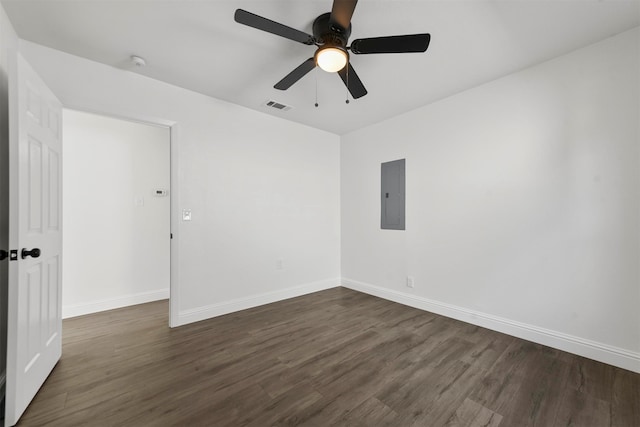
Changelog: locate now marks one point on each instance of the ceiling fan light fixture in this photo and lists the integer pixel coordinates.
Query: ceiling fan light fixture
(332, 58)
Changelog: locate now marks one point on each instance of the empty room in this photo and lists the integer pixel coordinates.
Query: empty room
(369, 213)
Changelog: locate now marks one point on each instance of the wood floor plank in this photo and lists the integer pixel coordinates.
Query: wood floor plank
(503, 381)
(579, 409)
(488, 347)
(336, 357)
(625, 406)
(292, 401)
(371, 412)
(472, 414)
(540, 394)
(591, 378)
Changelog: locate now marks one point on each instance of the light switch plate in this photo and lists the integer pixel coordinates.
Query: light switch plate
(186, 214)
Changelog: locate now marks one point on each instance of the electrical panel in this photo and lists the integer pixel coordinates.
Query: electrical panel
(392, 195)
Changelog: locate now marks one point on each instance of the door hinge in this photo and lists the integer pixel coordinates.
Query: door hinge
(171, 235)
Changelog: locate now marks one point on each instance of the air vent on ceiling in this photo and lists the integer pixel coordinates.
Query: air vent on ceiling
(277, 105)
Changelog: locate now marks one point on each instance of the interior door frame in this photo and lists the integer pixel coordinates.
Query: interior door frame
(174, 198)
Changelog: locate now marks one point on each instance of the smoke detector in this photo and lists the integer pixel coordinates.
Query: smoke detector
(138, 61)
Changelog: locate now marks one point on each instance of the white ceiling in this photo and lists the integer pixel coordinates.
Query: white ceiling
(198, 46)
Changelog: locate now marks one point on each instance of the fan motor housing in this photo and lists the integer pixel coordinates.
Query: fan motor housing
(330, 34)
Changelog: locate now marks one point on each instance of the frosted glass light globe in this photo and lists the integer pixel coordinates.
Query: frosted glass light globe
(331, 59)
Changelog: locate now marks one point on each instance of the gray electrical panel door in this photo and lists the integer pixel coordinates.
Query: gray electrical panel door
(392, 195)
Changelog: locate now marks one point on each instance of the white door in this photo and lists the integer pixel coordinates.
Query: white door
(34, 325)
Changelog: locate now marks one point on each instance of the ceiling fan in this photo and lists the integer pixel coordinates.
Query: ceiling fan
(331, 33)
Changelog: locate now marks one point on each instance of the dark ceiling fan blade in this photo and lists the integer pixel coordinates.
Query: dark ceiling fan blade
(392, 44)
(352, 81)
(273, 27)
(296, 74)
(342, 11)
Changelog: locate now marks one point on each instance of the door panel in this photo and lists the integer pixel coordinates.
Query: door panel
(34, 312)
(53, 208)
(34, 167)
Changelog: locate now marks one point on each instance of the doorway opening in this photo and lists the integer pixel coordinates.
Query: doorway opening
(116, 213)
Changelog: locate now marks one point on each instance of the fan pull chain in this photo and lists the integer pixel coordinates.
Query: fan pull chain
(347, 100)
(316, 73)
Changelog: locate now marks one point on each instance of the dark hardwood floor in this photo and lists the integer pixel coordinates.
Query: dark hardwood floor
(336, 357)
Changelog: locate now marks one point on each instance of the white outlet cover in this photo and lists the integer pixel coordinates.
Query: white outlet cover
(410, 281)
(186, 214)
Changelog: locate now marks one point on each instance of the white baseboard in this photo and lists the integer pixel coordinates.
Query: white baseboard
(593, 350)
(226, 307)
(111, 303)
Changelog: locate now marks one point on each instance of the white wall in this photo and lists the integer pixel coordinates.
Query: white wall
(522, 204)
(116, 232)
(261, 189)
(8, 46)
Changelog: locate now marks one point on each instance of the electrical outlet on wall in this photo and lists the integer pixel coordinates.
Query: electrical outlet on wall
(410, 281)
